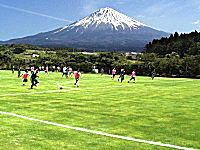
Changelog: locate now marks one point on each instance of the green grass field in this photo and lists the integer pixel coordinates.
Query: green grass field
(165, 110)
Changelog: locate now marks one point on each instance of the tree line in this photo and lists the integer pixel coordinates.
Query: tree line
(176, 55)
(21, 55)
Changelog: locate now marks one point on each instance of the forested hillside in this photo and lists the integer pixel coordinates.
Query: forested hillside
(178, 55)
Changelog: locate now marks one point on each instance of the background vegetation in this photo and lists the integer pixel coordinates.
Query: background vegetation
(177, 55)
(22, 55)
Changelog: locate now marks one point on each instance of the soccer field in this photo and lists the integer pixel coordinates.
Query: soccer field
(165, 110)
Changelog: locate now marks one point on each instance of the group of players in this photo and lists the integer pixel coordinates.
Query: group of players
(67, 72)
(34, 77)
(122, 74)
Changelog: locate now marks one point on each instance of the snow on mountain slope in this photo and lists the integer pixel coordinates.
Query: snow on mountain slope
(106, 16)
(105, 29)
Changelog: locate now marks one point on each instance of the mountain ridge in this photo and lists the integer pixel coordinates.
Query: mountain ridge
(104, 29)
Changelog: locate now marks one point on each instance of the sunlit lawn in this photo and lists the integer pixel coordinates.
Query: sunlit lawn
(165, 110)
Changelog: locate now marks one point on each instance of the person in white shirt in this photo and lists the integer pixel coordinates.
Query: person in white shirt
(64, 71)
(70, 71)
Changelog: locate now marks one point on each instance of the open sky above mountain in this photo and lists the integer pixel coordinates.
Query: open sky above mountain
(22, 18)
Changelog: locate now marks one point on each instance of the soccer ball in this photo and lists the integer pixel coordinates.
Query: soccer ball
(61, 87)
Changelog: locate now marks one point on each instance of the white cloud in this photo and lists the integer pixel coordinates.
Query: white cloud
(196, 22)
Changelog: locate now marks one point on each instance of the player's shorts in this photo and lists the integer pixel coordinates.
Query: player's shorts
(132, 78)
(25, 80)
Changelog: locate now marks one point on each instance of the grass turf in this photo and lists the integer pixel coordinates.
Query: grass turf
(164, 110)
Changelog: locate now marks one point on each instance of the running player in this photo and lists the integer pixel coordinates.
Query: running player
(19, 71)
(113, 73)
(122, 74)
(64, 71)
(77, 77)
(133, 75)
(70, 71)
(25, 77)
(32, 69)
(34, 79)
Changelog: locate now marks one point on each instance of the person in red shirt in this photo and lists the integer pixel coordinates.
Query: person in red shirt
(77, 77)
(25, 77)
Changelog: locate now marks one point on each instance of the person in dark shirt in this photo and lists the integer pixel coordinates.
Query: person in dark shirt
(153, 74)
(19, 71)
(122, 74)
(34, 79)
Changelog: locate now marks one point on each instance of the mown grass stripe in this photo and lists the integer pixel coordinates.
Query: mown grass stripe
(98, 132)
(53, 91)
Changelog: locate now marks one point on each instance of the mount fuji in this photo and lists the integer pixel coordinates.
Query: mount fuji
(105, 29)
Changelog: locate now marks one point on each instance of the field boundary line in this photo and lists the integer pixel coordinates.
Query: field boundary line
(98, 132)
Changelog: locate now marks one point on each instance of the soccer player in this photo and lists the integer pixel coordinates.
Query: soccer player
(64, 71)
(43, 68)
(133, 75)
(47, 70)
(70, 71)
(40, 68)
(153, 74)
(113, 73)
(102, 71)
(32, 69)
(122, 74)
(77, 77)
(13, 69)
(25, 77)
(58, 68)
(34, 79)
(53, 68)
(19, 71)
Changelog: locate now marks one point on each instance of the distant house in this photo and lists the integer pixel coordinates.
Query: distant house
(132, 55)
(87, 53)
(35, 55)
(32, 55)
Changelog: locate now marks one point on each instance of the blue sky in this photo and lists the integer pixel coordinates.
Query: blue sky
(19, 18)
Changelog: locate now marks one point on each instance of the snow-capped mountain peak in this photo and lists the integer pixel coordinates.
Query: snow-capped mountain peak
(107, 17)
(111, 16)
(105, 29)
